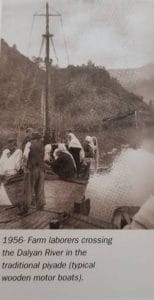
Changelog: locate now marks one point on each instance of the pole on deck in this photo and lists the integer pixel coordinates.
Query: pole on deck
(47, 58)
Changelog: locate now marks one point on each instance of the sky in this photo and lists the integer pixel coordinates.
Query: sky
(110, 33)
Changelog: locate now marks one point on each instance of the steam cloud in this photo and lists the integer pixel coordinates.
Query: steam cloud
(129, 183)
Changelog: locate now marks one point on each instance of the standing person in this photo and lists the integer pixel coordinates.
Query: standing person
(34, 173)
(76, 150)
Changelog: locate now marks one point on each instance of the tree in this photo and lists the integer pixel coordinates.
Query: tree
(151, 106)
(37, 60)
(90, 64)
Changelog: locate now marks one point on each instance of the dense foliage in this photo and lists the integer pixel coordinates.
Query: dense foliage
(81, 97)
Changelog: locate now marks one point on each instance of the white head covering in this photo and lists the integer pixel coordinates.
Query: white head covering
(89, 139)
(4, 157)
(47, 153)
(61, 148)
(13, 164)
(74, 142)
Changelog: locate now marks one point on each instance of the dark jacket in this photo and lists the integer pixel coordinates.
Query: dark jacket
(63, 166)
(36, 155)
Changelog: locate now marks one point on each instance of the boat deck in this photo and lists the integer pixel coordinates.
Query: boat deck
(9, 219)
(60, 199)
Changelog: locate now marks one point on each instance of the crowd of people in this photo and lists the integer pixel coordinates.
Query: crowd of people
(35, 155)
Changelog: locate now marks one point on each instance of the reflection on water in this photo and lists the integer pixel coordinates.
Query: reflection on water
(129, 182)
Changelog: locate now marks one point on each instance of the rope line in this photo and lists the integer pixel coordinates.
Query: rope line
(30, 35)
(54, 49)
(65, 43)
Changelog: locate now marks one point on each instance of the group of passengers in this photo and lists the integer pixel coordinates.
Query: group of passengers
(65, 159)
(33, 157)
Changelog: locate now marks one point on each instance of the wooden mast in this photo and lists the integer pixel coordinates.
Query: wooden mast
(47, 37)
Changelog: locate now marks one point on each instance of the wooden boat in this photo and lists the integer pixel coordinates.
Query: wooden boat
(66, 205)
(59, 194)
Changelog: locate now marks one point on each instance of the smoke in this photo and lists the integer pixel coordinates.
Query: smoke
(130, 182)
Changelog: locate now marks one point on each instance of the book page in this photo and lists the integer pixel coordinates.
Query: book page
(76, 149)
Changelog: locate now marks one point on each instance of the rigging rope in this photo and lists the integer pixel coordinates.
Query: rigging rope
(28, 48)
(30, 35)
(36, 73)
(54, 49)
(41, 48)
(22, 75)
(65, 43)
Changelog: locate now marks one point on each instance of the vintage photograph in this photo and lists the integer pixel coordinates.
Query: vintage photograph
(77, 114)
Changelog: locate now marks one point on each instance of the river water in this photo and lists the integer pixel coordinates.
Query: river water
(130, 182)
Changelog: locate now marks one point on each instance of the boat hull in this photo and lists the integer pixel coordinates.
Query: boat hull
(60, 195)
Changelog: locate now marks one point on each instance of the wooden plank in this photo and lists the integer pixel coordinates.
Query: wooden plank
(33, 220)
(60, 196)
(79, 221)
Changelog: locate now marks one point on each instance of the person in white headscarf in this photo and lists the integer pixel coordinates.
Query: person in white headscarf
(75, 148)
(73, 141)
(89, 147)
(62, 148)
(11, 159)
(47, 149)
(4, 157)
(13, 164)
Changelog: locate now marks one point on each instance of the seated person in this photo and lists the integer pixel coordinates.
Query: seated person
(11, 158)
(47, 149)
(75, 148)
(63, 165)
(89, 147)
(47, 153)
(4, 157)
